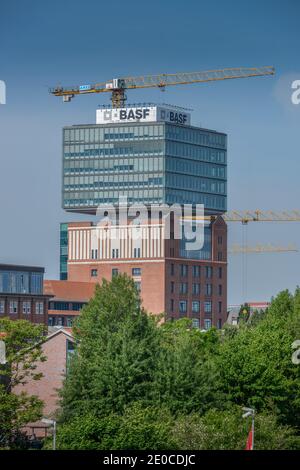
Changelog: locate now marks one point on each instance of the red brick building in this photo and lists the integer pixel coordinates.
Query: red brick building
(67, 299)
(57, 347)
(169, 279)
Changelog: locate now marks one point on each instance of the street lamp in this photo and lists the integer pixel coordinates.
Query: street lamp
(250, 412)
(52, 423)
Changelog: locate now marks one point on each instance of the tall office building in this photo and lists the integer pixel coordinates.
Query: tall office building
(152, 155)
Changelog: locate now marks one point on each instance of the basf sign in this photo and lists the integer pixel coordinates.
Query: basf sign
(143, 114)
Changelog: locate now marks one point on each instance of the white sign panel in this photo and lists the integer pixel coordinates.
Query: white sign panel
(142, 114)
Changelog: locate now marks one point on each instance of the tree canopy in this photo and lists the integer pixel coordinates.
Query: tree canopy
(136, 384)
(23, 341)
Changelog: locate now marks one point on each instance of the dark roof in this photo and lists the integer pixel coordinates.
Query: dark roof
(18, 267)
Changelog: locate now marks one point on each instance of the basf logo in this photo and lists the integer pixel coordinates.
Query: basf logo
(142, 114)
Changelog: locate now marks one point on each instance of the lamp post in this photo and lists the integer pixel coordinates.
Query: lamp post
(250, 412)
(52, 423)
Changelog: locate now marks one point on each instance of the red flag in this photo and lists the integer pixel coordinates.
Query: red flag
(249, 443)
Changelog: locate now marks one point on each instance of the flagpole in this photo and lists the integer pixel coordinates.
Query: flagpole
(253, 429)
(250, 412)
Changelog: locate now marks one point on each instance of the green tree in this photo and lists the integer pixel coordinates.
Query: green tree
(187, 378)
(118, 346)
(255, 363)
(23, 342)
(138, 428)
(227, 430)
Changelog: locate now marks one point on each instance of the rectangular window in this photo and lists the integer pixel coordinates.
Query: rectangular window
(207, 307)
(94, 272)
(39, 308)
(209, 289)
(220, 256)
(13, 306)
(196, 271)
(172, 305)
(26, 308)
(220, 307)
(136, 271)
(183, 270)
(137, 253)
(2, 306)
(172, 287)
(138, 285)
(207, 324)
(115, 253)
(220, 273)
(114, 272)
(182, 306)
(183, 288)
(220, 289)
(209, 272)
(196, 289)
(219, 323)
(220, 240)
(195, 323)
(172, 269)
(195, 306)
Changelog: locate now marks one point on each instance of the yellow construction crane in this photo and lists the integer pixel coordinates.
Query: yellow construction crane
(262, 216)
(259, 248)
(253, 216)
(118, 86)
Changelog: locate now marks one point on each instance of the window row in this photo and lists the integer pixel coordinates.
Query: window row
(150, 182)
(100, 133)
(185, 196)
(183, 270)
(195, 306)
(115, 271)
(183, 288)
(194, 183)
(26, 307)
(196, 168)
(115, 166)
(83, 151)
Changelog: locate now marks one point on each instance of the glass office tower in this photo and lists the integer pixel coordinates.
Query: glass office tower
(150, 163)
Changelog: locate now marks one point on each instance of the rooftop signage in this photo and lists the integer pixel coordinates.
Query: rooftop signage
(143, 114)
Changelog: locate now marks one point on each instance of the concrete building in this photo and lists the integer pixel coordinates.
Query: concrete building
(151, 155)
(21, 293)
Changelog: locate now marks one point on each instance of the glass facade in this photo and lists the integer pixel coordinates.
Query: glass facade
(15, 280)
(63, 265)
(150, 163)
(203, 254)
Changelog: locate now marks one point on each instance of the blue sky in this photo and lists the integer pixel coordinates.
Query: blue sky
(71, 42)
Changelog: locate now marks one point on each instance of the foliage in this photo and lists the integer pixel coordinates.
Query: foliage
(226, 430)
(135, 384)
(117, 353)
(187, 378)
(137, 428)
(23, 350)
(255, 364)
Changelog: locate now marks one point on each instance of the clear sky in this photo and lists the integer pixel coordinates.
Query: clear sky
(43, 43)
